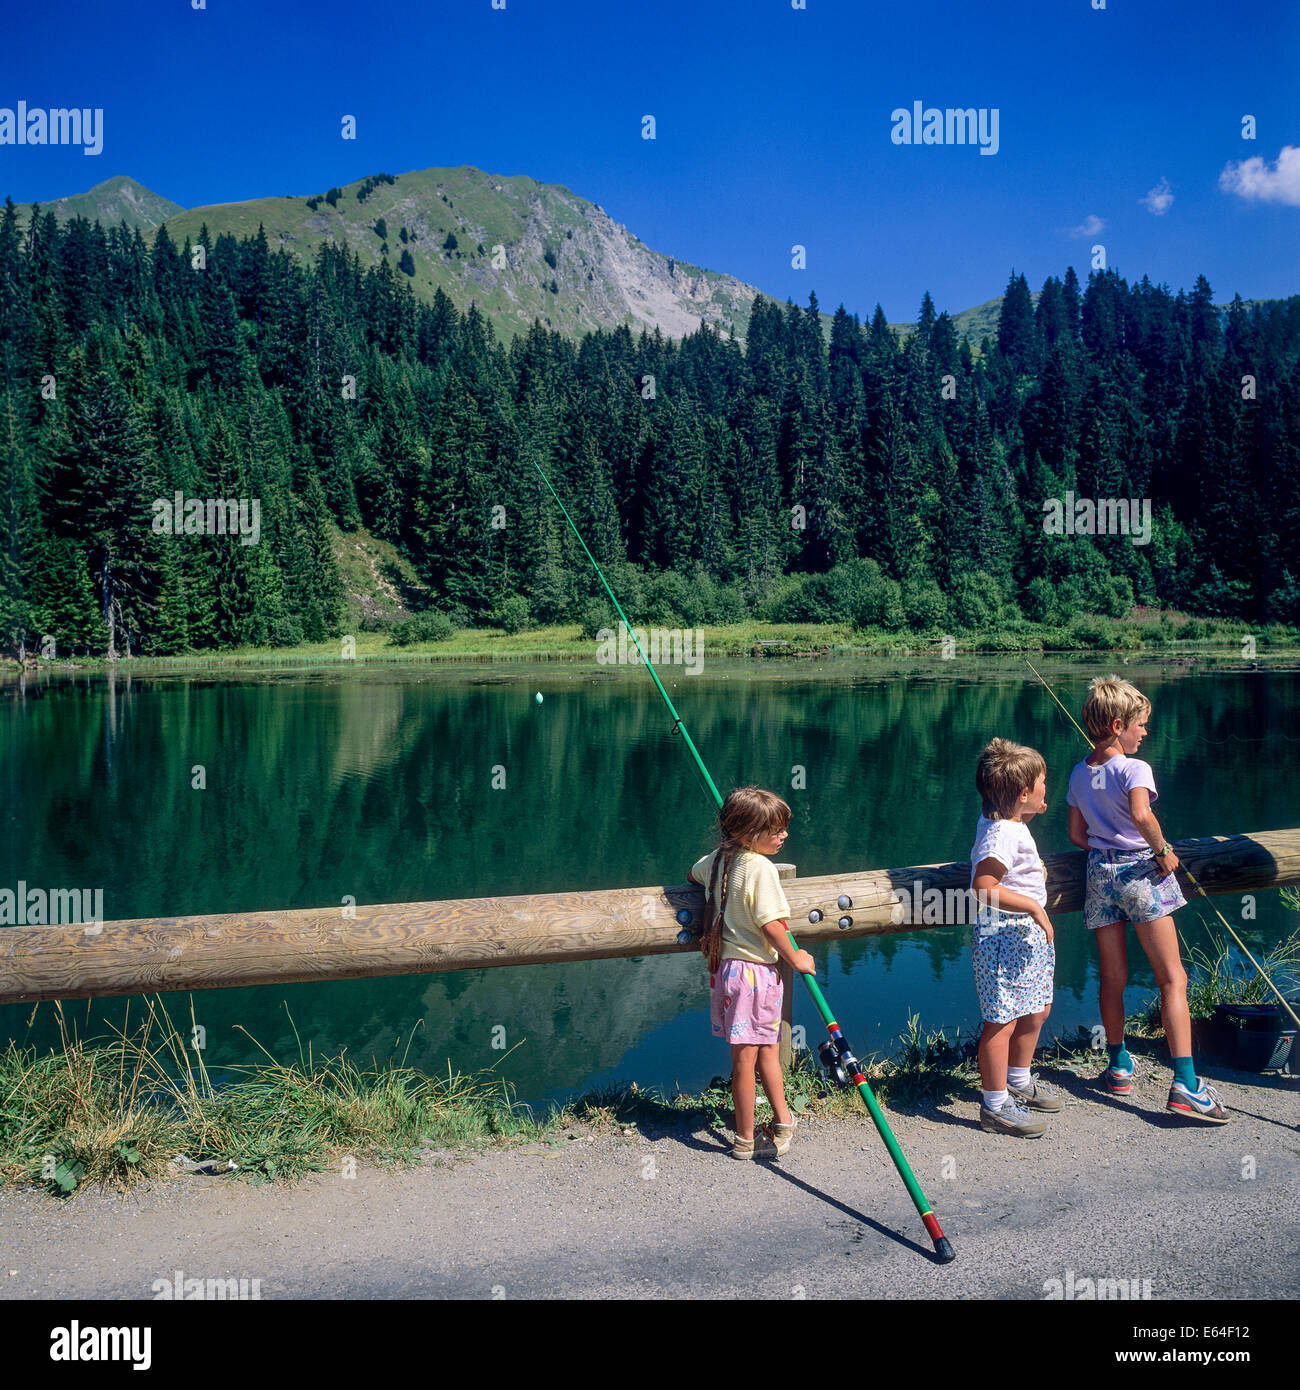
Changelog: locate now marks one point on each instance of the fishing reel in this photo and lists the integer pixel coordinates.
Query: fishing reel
(838, 1062)
(830, 1061)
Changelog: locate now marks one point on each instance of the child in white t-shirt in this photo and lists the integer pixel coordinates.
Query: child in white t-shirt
(1012, 949)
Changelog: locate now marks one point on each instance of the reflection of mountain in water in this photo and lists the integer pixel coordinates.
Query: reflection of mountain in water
(364, 730)
(577, 1019)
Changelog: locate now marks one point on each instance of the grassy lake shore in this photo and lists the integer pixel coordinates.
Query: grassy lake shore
(1148, 634)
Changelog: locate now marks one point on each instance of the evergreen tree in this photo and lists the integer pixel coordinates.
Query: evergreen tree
(925, 319)
(1017, 335)
(20, 536)
(101, 486)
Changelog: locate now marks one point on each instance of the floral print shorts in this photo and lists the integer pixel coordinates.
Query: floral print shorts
(1127, 886)
(1014, 963)
(745, 1002)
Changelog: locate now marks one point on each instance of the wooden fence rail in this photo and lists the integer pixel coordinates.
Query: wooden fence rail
(148, 955)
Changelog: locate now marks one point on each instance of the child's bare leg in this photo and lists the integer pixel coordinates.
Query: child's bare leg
(1112, 953)
(769, 1073)
(743, 1056)
(1160, 941)
(1024, 1039)
(994, 1043)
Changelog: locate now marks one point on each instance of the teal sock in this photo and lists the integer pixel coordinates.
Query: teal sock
(1119, 1057)
(1184, 1072)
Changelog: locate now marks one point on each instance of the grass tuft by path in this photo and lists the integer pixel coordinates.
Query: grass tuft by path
(113, 1114)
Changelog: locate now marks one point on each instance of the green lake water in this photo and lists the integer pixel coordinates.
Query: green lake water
(378, 784)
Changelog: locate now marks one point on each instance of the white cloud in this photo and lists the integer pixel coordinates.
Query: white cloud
(1091, 225)
(1159, 199)
(1278, 182)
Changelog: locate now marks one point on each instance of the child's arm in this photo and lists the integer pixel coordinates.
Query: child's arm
(986, 887)
(1139, 808)
(1078, 828)
(800, 961)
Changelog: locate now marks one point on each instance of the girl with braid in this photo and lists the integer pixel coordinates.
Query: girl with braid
(745, 913)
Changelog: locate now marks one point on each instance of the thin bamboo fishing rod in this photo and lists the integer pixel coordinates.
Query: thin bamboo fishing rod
(942, 1245)
(1191, 878)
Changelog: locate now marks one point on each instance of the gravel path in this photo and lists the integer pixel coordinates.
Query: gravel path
(1117, 1189)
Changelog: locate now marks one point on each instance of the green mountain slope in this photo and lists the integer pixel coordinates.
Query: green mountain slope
(119, 199)
(561, 258)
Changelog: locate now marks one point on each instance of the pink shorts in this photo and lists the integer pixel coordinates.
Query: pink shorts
(745, 1002)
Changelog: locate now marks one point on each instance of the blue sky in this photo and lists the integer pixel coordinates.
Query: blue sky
(773, 125)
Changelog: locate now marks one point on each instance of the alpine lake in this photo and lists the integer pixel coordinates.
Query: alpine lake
(409, 782)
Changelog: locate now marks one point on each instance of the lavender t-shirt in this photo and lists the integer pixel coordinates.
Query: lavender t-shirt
(1105, 806)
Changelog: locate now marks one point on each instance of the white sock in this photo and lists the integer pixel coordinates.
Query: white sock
(994, 1100)
(1018, 1077)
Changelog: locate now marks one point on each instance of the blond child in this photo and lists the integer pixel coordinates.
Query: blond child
(745, 933)
(1131, 879)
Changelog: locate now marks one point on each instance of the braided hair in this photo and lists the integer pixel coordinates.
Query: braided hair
(746, 814)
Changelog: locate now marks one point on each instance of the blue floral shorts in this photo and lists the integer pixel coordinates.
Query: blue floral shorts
(1126, 885)
(1014, 963)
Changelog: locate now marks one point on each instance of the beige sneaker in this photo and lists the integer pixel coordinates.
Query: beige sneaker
(758, 1147)
(782, 1136)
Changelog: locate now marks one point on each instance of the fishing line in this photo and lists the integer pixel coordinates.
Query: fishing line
(1232, 738)
(1191, 878)
(835, 1053)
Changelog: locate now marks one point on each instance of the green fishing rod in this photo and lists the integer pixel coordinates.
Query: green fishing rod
(845, 1066)
(1191, 878)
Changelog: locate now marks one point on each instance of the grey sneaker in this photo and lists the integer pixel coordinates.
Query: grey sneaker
(1011, 1119)
(1039, 1096)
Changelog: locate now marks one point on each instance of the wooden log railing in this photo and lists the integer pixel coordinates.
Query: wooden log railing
(150, 955)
